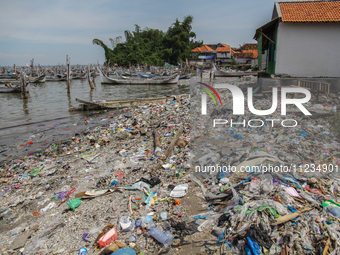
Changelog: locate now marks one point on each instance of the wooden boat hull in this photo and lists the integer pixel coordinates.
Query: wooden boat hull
(41, 79)
(62, 79)
(167, 81)
(10, 90)
(185, 76)
(135, 102)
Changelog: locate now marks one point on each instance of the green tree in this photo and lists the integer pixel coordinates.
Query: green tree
(178, 39)
(152, 46)
(107, 50)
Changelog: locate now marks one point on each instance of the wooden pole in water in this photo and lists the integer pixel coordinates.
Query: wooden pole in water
(23, 86)
(32, 68)
(89, 77)
(68, 74)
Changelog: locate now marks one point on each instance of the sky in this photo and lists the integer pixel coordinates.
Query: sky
(49, 30)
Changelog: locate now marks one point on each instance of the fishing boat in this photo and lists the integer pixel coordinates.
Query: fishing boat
(147, 81)
(79, 76)
(10, 90)
(124, 103)
(185, 76)
(40, 79)
(146, 75)
(220, 73)
(57, 77)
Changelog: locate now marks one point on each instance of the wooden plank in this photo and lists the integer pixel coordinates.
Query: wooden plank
(173, 143)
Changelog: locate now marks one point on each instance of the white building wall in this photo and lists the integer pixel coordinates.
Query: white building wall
(308, 49)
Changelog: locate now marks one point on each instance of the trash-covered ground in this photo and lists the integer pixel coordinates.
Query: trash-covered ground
(132, 186)
(271, 188)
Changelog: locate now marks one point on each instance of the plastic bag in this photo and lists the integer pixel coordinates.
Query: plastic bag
(255, 185)
(266, 183)
(253, 246)
(179, 191)
(234, 202)
(306, 244)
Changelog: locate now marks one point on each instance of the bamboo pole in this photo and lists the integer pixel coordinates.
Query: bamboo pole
(68, 73)
(89, 77)
(32, 68)
(23, 86)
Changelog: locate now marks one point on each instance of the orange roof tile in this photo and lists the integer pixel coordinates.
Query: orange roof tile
(222, 49)
(225, 45)
(203, 48)
(206, 48)
(310, 11)
(197, 49)
(246, 54)
(250, 46)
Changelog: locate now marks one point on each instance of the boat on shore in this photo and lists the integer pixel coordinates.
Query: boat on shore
(185, 76)
(10, 90)
(124, 103)
(147, 81)
(221, 73)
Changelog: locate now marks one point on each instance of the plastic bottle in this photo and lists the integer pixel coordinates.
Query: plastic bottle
(160, 236)
(168, 234)
(126, 223)
(164, 215)
(82, 251)
(108, 238)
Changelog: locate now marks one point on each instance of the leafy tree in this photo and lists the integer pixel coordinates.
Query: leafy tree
(152, 46)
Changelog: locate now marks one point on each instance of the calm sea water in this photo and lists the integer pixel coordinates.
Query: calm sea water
(45, 117)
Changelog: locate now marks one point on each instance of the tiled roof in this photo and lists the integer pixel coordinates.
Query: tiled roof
(225, 45)
(206, 48)
(310, 11)
(250, 46)
(223, 49)
(246, 54)
(203, 48)
(197, 49)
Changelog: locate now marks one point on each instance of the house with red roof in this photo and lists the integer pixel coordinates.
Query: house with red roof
(223, 53)
(246, 54)
(220, 51)
(301, 40)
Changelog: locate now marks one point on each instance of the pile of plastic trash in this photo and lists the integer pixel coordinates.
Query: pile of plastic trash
(161, 179)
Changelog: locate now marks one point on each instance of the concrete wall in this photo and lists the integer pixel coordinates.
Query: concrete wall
(244, 60)
(267, 83)
(308, 49)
